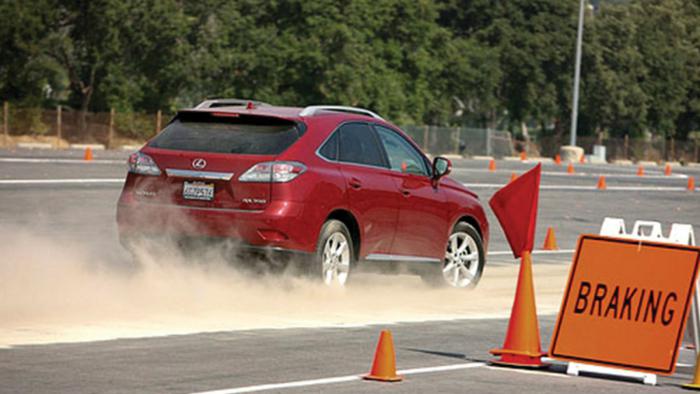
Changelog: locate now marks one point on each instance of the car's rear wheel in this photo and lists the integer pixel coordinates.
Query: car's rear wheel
(335, 254)
(464, 259)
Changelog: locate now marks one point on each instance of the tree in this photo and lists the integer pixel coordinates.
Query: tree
(25, 71)
(534, 41)
(611, 96)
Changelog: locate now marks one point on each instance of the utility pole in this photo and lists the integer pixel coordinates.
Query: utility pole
(577, 72)
(59, 125)
(5, 122)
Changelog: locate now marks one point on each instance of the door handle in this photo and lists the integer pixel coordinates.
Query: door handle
(355, 183)
(405, 192)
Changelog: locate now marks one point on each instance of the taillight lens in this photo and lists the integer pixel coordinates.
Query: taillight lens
(140, 163)
(273, 171)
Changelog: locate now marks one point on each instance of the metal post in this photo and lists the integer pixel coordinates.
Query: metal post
(695, 319)
(110, 135)
(456, 140)
(488, 142)
(627, 146)
(158, 120)
(577, 72)
(426, 137)
(5, 121)
(59, 125)
(673, 149)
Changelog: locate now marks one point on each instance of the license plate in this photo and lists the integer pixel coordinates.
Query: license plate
(198, 191)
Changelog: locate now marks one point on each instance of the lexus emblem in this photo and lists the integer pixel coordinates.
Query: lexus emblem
(199, 164)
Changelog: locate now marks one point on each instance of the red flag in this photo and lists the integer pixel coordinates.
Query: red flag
(515, 206)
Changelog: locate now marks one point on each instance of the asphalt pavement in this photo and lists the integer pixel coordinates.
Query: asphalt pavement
(63, 210)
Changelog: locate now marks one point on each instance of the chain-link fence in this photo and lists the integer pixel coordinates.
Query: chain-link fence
(464, 141)
(63, 126)
(654, 148)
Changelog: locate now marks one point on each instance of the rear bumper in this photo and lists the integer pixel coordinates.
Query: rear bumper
(280, 225)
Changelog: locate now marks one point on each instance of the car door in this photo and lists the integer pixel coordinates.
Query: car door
(423, 217)
(371, 194)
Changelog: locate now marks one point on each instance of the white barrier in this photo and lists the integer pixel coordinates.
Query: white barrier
(649, 231)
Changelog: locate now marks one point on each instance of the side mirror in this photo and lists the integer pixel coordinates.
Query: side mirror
(441, 167)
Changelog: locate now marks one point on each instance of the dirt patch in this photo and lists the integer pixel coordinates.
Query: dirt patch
(53, 292)
(13, 140)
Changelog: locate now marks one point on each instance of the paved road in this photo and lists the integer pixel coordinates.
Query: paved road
(72, 214)
(195, 363)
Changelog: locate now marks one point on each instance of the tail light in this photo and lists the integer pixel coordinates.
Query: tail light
(143, 164)
(273, 171)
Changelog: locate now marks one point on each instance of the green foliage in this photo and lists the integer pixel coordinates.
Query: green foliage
(641, 68)
(446, 62)
(25, 69)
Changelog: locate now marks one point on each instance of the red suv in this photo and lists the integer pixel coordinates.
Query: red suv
(337, 183)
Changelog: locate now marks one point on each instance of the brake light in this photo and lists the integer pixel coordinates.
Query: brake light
(226, 114)
(273, 171)
(140, 163)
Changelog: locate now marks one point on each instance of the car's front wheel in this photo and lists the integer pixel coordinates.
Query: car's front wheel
(335, 253)
(464, 259)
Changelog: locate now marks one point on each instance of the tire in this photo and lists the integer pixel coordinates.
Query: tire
(464, 269)
(335, 254)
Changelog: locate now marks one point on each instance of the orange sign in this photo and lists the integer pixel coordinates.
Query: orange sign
(626, 304)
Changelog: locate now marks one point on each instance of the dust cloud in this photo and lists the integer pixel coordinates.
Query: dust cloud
(57, 291)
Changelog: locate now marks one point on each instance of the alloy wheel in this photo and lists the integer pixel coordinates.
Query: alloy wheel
(336, 260)
(461, 263)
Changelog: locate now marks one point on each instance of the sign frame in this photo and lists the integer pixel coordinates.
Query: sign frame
(554, 353)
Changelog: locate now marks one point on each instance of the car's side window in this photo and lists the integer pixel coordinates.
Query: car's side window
(402, 156)
(359, 144)
(329, 150)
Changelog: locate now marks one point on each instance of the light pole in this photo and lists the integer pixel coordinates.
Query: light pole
(577, 73)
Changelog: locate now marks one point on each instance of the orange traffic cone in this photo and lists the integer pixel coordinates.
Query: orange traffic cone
(691, 183)
(522, 345)
(384, 365)
(557, 159)
(550, 240)
(695, 384)
(492, 165)
(523, 156)
(667, 170)
(88, 154)
(513, 176)
(640, 170)
(583, 159)
(601, 183)
(570, 168)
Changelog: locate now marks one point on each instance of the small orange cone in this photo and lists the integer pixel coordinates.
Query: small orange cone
(550, 240)
(691, 183)
(522, 345)
(583, 159)
(513, 176)
(640, 170)
(384, 365)
(570, 168)
(557, 159)
(601, 183)
(667, 170)
(695, 384)
(523, 156)
(88, 154)
(492, 165)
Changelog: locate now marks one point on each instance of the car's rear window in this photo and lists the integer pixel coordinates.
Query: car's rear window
(243, 134)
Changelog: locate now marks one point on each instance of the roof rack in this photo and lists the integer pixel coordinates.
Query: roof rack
(228, 102)
(313, 109)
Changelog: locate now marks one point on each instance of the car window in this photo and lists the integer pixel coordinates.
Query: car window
(402, 155)
(243, 134)
(329, 150)
(359, 144)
